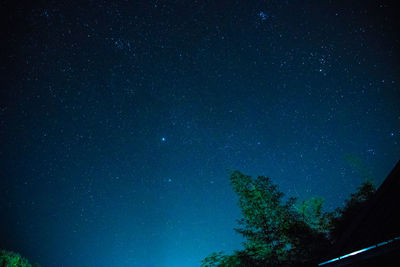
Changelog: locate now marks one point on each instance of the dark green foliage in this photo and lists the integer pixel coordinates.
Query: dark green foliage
(282, 232)
(311, 213)
(12, 259)
(238, 259)
(277, 232)
(219, 259)
(266, 220)
(357, 202)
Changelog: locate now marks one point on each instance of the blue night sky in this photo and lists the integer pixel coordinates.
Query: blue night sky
(119, 120)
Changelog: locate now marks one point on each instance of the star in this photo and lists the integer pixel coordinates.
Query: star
(371, 151)
(262, 15)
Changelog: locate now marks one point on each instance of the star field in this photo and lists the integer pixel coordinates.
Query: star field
(119, 121)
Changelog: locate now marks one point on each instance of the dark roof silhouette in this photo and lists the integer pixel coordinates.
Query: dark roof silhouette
(377, 223)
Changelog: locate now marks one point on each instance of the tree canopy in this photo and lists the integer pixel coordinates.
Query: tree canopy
(12, 259)
(280, 231)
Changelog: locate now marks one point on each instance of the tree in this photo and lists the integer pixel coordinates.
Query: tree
(353, 206)
(282, 232)
(238, 259)
(311, 213)
(12, 259)
(275, 231)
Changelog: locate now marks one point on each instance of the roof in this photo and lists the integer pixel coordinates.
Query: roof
(377, 223)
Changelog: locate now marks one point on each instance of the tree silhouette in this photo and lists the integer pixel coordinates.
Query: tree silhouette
(357, 202)
(282, 232)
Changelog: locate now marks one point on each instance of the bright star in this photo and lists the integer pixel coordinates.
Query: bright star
(262, 15)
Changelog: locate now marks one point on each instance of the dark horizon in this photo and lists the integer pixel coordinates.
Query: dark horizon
(119, 121)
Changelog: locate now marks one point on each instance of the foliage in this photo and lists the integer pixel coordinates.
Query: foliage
(282, 232)
(311, 213)
(357, 202)
(12, 259)
(219, 259)
(238, 259)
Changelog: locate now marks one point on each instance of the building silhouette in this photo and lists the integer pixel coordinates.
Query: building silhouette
(373, 236)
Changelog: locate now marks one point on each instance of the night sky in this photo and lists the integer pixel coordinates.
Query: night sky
(120, 120)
